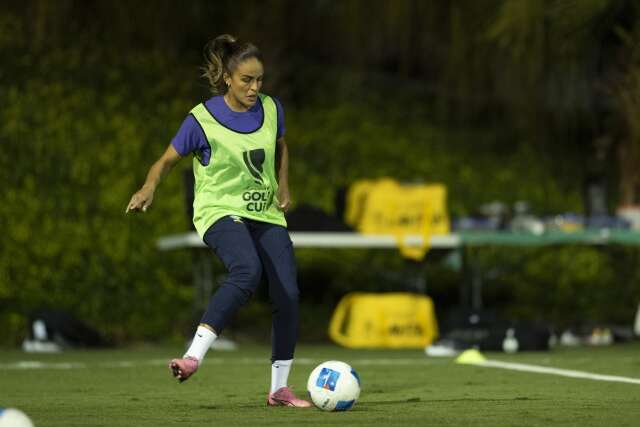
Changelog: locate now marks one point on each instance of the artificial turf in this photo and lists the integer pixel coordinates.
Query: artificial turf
(133, 387)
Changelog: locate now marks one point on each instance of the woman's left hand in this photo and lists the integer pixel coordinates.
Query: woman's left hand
(284, 199)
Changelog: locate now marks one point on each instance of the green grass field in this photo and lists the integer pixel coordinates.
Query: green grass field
(133, 387)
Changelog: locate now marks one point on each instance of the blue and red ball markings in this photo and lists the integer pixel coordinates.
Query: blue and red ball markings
(328, 379)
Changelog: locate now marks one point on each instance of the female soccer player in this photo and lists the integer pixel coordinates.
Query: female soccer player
(240, 166)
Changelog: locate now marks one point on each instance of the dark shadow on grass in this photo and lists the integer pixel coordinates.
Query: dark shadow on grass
(473, 399)
(389, 402)
(370, 404)
(208, 407)
(425, 401)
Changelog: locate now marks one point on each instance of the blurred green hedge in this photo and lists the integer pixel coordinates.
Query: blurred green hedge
(79, 130)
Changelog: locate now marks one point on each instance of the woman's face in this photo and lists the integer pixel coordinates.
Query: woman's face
(245, 83)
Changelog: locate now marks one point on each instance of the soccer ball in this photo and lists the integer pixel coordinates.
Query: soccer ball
(334, 386)
(12, 417)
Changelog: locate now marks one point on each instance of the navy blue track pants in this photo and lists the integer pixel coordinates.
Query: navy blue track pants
(248, 249)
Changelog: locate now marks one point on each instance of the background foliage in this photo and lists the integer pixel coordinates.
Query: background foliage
(500, 100)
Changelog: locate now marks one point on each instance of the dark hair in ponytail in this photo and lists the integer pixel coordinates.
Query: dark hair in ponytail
(222, 55)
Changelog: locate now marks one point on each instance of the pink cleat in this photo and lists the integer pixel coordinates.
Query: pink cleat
(285, 397)
(182, 369)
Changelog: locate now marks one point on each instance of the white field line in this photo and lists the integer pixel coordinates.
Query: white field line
(31, 364)
(555, 371)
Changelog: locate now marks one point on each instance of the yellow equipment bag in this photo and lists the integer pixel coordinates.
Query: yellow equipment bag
(386, 207)
(388, 320)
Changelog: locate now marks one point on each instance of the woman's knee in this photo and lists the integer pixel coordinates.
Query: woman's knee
(247, 273)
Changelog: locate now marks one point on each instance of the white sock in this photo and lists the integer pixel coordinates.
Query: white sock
(280, 374)
(202, 340)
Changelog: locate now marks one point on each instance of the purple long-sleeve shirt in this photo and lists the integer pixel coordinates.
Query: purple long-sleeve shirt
(190, 137)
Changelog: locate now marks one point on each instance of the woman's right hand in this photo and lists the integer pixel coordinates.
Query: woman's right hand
(141, 200)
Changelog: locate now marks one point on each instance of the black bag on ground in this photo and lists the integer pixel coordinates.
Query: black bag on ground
(63, 329)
